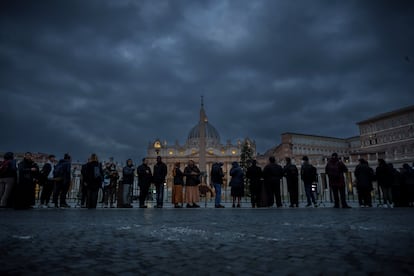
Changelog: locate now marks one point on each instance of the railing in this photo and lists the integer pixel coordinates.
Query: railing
(322, 193)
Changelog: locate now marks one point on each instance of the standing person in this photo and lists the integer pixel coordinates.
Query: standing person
(93, 180)
(127, 182)
(177, 192)
(111, 177)
(290, 171)
(192, 180)
(8, 175)
(335, 170)
(395, 185)
(83, 189)
(407, 184)
(384, 178)
(308, 174)
(272, 174)
(62, 177)
(364, 176)
(144, 182)
(25, 188)
(217, 180)
(160, 172)
(47, 181)
(236, 183)
(254, 174)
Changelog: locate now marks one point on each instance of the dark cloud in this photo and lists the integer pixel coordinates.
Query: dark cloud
(110, 76)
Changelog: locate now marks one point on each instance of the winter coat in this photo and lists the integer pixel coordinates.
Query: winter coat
(384, 176)
(335, 170)
(144, 175)
(308, 173)
(254, 174)
(160, 172)
(237, 177)
(128, 174)
(217, 174)
(272, 173)
(93, 183)
(66, 170)
(10, 169)
(191, 178)
(178, 176)
(364, 177)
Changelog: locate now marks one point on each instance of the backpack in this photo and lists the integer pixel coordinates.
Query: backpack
(58, 172)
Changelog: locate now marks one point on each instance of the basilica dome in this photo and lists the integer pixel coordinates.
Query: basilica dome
(211, 134)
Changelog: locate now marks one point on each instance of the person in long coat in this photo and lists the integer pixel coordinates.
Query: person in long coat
(254, 174)
(272, 174)
(335, 170)
(25, 188)
(192, 181)
(93, 180)
(364, 175)
(384, 177)
(236, 183)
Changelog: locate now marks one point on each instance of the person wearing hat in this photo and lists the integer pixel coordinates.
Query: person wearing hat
(335, 170)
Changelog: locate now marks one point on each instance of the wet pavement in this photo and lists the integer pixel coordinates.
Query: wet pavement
(207, 241)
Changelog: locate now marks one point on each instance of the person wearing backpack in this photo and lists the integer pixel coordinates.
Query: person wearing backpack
(62, 177)
(308, 174)
(290, 171)
(8, 175)
(335, 170)
(93, 180)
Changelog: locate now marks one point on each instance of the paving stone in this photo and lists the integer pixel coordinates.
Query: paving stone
(206, 241)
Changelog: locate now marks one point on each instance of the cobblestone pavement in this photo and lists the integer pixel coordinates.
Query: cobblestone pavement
(207, 241)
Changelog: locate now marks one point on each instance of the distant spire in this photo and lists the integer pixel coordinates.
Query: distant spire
(203, 116)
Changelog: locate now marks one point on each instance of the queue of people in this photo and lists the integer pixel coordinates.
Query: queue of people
(18, 181)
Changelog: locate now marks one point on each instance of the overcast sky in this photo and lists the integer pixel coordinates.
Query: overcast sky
(111, 76)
